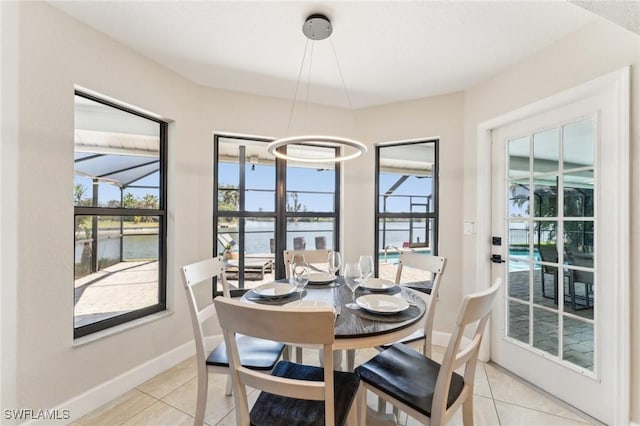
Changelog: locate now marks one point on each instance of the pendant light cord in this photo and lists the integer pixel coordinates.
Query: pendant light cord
(295, 94)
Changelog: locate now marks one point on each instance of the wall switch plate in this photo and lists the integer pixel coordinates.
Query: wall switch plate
(469, 227)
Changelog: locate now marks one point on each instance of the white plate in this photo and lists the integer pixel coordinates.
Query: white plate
(272, 290)
(321, 278)
(382, 304)
(377, 284)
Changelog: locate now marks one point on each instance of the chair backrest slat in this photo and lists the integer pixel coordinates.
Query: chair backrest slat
(192, 275)
(313, 326)
(476, 308)
(301, 325)
(319, 256)
(435, 265)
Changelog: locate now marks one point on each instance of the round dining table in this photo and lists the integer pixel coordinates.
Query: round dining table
(358, 328)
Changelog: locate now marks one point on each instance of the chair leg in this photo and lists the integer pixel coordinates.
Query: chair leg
(201, 403)
(299, 354)
(227, 389)
(467, 411)
(351, 359)
(361, 406)
(382, 406)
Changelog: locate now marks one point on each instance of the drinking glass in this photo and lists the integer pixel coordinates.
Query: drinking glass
(366, 264)
(299, 274)
(335, 262)
(352, 277)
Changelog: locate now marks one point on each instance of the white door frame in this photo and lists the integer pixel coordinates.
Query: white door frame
(619, 80)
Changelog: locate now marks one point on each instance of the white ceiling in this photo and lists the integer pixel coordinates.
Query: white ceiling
(388, 51)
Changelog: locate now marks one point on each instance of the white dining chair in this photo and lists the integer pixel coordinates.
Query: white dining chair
(312, 257)
(292, 394)
(434, 265)
(255, 353)
(428, 391)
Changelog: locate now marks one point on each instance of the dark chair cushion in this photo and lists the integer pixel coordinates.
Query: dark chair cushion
(421, 286)
(274, 410)
(257, 354)
(413, 337)
(408, 376)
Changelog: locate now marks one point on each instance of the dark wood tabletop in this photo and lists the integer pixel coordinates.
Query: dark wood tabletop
(371, 329)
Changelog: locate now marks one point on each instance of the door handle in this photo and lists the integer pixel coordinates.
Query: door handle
(497, 258)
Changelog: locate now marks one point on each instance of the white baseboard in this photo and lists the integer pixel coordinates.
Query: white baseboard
(634, 424)
(111, 389)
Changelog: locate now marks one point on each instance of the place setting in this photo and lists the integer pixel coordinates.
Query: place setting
(274, 293)
(373, 305)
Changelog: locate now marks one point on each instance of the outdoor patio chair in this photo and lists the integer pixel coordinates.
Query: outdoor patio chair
(428, 391)
(582, 277)
(549, 253)
(255, 353)
(299, 243)
(226, 241)
(292, 394)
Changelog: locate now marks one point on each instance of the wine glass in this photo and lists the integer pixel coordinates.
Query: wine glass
(352, 277)
(335, 261)
(299, 274)
(366, 264)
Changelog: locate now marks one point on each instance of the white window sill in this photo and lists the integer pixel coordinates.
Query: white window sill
(99, 335)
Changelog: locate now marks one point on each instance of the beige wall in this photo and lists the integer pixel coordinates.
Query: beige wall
(438, 117)
(52, 53)
(595, 50)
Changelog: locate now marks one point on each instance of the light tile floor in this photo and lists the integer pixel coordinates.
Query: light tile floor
(500, 398)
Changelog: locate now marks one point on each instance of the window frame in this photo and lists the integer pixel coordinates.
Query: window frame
(280, 214)
(160, 212)
(407, 215)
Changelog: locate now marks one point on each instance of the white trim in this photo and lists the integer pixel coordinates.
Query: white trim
(113, 388)
(620, 80)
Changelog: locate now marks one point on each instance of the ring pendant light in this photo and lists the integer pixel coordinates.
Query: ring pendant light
(316, 27)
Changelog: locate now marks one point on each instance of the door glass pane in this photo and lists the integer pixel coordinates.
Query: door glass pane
(519, 240)
(578, 236)
(518, 321)
(578, 144)
(578, 343)
(545, 234)
(519, 157)
(580, 295)
(519, 198)
(545, 330)
(579, 195)
(545, 285)
(519, 278)
(546, 149)
(545, 196)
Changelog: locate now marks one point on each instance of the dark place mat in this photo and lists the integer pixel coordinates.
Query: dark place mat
(393, 290)
(255, 297)
(410, 313)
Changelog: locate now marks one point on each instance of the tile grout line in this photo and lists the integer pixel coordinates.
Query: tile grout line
(493, 399)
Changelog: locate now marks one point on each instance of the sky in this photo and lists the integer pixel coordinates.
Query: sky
(299, 179)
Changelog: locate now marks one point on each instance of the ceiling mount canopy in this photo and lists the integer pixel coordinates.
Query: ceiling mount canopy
(316, 27)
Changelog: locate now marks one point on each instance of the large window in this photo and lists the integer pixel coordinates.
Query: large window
(119, 213)
(406, 202)
(264, 206)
